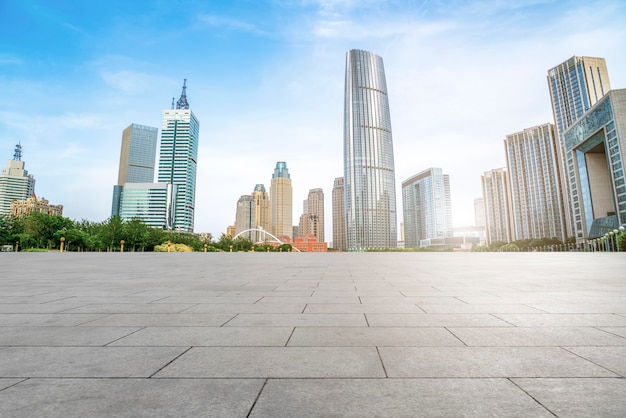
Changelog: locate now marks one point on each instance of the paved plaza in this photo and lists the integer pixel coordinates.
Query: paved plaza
(324, 334)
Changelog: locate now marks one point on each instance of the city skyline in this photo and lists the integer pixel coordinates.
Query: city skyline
(461, 76)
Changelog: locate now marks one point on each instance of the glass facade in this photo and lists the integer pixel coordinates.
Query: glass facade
(178, 160)
(15, 183)
(427, 208)
(153, 203)
(535, 184)
(369, 175)
(594, 146)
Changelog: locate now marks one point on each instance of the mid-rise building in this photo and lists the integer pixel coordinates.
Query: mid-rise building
(137, 159)
(495, 186)
(595, 149)
(427, 207)
(339, 215)
(314, 211)
(281, 201)
(178, 159)
(245, 217)
(15, 182)
(535, 184)
(152, 203)
(575, 86)
(369, 174)
(262, 212)
(34, 204)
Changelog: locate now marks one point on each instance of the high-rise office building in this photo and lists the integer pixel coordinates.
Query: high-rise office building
(315, 209)
(575, 86)
(137, 158)
(15, 182)
(178, 158)
(262, 212)
(369, 175)
(595, 148)
(152, 203)
(427, 208)
(495, 186)
(339, 215)
(245, 217)
(535, 184)
(281, 201)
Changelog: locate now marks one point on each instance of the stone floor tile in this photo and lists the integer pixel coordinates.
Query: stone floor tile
(206, 336)
(465, 308)
(578, 397)
(162, 320)
(132, 308)
(433, 320)
(7, 382)
(535, 336)
(284, 362)
(32, 308)
(300, 299)
(487, 362)
(85, 361)
(78, 398)
(371, 337)
(62, 336)
(562, 320)
(299, 320)
(611, 358)
(51, 319)
(235, 308)
(395, 398)
(346, 308)
(621, 331)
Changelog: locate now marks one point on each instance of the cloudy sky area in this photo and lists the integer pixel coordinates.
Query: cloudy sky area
(266, 80)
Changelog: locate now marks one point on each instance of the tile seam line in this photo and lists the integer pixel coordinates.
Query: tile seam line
(169, 362)
(590, 361)
(257, 397)
(532, 397)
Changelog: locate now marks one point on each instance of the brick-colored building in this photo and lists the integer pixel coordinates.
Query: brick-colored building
(309, 244)
(34, 204)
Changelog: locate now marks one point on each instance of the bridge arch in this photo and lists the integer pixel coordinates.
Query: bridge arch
(274, 238)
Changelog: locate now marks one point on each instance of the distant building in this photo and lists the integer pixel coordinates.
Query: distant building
(281, 201)
(178, 158)
(339, 215)
(575, 86)
(309, 225)
(230, 231)
(595, 149)
(262, 212)
(315, 209)
(369, 173)
(245, 217)
(152, 203)
(427, 207)
(479, 212)
(137, 158)
(15, 182)
(33, 204)
(309, 244)
(537, 208)
(495, 186)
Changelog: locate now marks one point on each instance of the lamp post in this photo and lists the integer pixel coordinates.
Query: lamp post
(62, 244)
(621, 234)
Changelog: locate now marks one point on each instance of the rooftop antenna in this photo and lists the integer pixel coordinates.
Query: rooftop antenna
(173, 103)
(17, 155)
(182, 102)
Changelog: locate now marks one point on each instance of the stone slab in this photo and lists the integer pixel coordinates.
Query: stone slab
(235, 308)
(395, 398)
(433, 320)
(62, 336)
(562, 320)
(162, 320)
(346, 308)
(85, 361)
(132, 308)
(283, 362)
(611, 358)
(371, 337)
(466, 308)
(79, 398)
(536, 336)
(298, 320)
(52, 319)
(579, 397)
(487, 362)
(206, 336)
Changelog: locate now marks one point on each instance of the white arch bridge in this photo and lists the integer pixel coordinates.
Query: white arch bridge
(274, 238)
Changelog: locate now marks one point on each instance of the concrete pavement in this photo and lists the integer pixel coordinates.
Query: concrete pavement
(334, 334)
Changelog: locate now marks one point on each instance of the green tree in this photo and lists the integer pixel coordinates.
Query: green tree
(112, 233)
(136, 234)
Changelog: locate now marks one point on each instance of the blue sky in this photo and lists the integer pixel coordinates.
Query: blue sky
(265, 79)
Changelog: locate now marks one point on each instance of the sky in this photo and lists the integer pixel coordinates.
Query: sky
(265, 78)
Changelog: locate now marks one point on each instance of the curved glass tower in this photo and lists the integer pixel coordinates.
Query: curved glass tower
(369, 176)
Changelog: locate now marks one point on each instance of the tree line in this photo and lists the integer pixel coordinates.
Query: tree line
(42, 231)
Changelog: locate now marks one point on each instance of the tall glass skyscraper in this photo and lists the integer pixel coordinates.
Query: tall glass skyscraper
(575, 86)
(427, 207)
(339, 215)
(281, 199)
(178, 159)
(369, 175)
